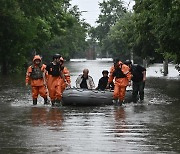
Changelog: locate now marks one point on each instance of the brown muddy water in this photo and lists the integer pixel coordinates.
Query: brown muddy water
(151, 127)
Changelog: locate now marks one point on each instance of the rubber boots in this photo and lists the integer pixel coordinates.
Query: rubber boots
(34, 101)
(58, 102)
(117, 102)
(45, 101)
(53, 102)
(120, 102)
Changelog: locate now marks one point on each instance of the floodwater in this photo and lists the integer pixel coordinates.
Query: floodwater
(151, 127)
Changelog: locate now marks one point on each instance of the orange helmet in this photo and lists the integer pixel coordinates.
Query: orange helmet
(36, 57)
(55, 56)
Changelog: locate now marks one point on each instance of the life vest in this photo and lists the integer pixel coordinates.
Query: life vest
(36, 72)
(118, 73)
(54, 70)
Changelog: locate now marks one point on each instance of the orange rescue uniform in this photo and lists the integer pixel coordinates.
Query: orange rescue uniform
(38, 85)
(65, 80)
(54, 81)
(54, 87)
(121, 82)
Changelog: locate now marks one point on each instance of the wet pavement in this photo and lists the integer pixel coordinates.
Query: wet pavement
(150, 127)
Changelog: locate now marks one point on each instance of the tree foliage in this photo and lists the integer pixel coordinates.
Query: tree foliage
(151, 31)
(162, 25)
(121, 35)
(111, 12)
(72, 43)
(29, 25)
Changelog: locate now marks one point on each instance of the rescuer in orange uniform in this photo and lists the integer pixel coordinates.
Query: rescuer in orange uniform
(65, 79)
(122, 75)
(36, 77)
(54, 79)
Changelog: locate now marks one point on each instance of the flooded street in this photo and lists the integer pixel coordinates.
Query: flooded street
(151, 127)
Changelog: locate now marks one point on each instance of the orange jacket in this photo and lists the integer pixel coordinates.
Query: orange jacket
(38, 82)
(66, 75)
(121, 81)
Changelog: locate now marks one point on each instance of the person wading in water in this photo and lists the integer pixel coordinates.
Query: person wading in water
(138, 78)
(54, 80)
(65, 79)
(35, 76)
(122, 75)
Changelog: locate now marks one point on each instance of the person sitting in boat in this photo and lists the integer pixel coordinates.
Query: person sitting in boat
(85, 81)
(103, 81)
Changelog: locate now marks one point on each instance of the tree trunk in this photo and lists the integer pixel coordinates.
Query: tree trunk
(145, 63)
(132, 57)
(165, 67)
(4, 67)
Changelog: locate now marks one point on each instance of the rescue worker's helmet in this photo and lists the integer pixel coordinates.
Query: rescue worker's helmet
(36, 57)
(128, 62)
(55, 56)
(115, 61)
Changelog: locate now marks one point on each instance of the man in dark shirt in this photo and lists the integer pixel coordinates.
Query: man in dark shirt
(138, 78)
(103, 81)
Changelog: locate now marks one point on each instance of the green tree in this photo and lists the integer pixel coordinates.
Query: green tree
(121, 36)
(145, 43)
(111, 12)
(15, 33)
(157, 23)
(72, 43)
(167, 27)
(27, 25)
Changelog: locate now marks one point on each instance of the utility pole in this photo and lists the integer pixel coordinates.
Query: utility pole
(165, 67)
(132, 57)
(145, 63)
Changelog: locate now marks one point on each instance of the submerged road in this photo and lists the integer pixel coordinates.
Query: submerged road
(151, 127)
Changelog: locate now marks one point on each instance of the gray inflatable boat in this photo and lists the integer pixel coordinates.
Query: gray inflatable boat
(75, 96)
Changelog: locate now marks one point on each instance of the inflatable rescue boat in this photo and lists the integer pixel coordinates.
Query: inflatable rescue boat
(75, 96)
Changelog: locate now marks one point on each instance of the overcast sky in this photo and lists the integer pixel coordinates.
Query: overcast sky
(92, 8)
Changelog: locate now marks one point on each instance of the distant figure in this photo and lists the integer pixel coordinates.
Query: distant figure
(85, 81)
(36, 77)
(138, 78)
(103, 81)
(122, 75)
(177, 67)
